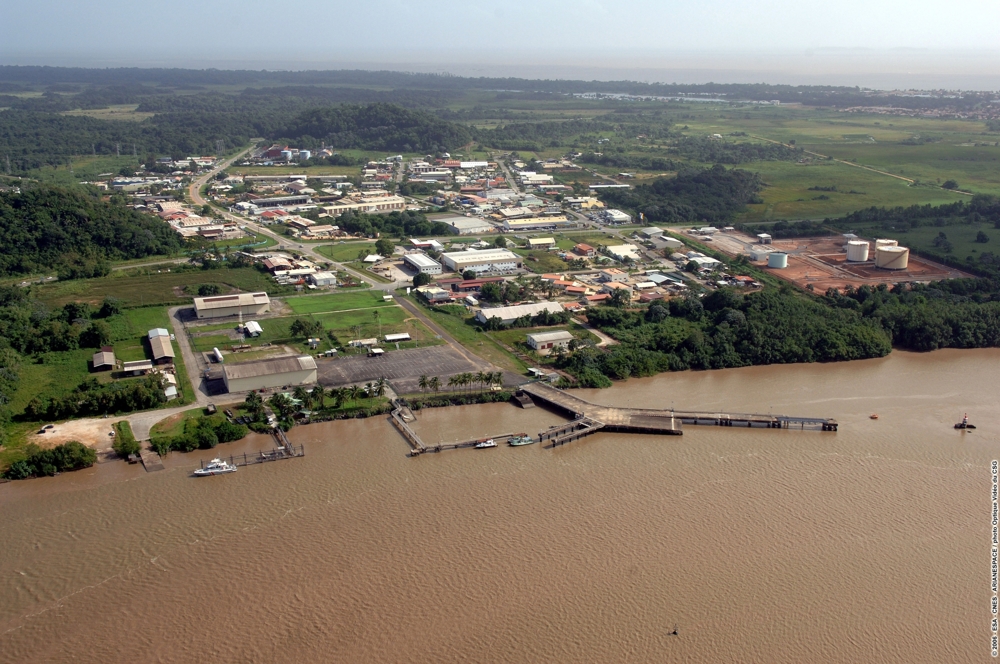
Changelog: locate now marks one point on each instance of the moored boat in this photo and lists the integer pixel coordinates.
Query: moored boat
(483, 444)
(520, 439)
(964, 424)
(215, 467)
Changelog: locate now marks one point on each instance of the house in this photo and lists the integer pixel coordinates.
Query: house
(541, 243)
(612, 286)
(546, 342)
(104, 360)
(585, 250)
(613, 274)
(508, 315)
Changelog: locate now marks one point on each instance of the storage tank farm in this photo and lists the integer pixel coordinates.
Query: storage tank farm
(892, 258)
(857, 251)
(777, 259)
(885, 243)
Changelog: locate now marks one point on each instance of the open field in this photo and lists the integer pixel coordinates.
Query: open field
(517, 337)
(467, 334)
(153, 286)
(349, 251)
(541, 261)
(125, 112)
(962, 238)
(311, 304)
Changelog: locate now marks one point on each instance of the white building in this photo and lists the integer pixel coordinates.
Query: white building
(422, 263)
(275, 372)
(232, 305)
(468, 225)
(508, 315)
(489, 260)
(536, 223)
(546, 342)
(322, 279)
(617, 217)
(623, 251)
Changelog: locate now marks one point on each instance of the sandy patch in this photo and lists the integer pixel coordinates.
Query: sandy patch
(92, 432)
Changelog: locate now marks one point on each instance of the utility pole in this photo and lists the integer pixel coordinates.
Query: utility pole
(118, 149)
(7, 157)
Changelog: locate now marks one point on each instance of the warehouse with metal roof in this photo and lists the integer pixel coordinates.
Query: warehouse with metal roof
(275, 372)
(220, 306)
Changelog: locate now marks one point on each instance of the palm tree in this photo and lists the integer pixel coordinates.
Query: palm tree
(282, 404)
(301, 394)
(380, 386)
(481, 379)
(318, 396)
(378, 319)
(369, 391)
(455, 380)
(339, 395)
(424, 383)
(354, 392)
(435, 383)
(253, 403)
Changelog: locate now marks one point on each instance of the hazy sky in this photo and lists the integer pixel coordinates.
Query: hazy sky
(798, 37)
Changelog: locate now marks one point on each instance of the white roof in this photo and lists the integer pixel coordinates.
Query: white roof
(404, 336)
(270, 367)
(519, 310)
(495, 255)
(421, 260)
(158, 332)
(466, 223)
(372, 258)
(542, 337)
(254, 327)
(542, 240)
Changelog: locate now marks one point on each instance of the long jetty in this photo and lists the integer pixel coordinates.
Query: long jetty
(587, 418)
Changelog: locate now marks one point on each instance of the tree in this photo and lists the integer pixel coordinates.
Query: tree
(500, 242)
(111, 306)
(421, 279)
(620, 298)
(692, 267)
(949, 184)
(469, 274)
(384, 247)
(254, 404)
(423, 382)
(301, 394)
(369, 391)
(435, 383)
(283, 405)
(318, 396)
(380, 386)
(355, 392)
(982, 238)
(208, 289)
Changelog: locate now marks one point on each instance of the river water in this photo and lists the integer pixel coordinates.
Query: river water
(869, 544)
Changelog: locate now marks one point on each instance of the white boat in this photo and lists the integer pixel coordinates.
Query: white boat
(215, 467)
(483, 444)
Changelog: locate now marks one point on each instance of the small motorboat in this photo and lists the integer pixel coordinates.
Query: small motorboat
(964, 424)
(483, 444)
(873, 416)
(215, 467)
(520, 439)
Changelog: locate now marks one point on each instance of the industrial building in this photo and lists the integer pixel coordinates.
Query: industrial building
(248, 304)
(541, 243)
(623, 251)
(276, 372)
(489, 260)
(322, 279)
(138, 367)
(546, 342)
(253, 329)
(617, 217)
(508, 315)
(422, 263)
(537, 223)
(468, 225)
(159, 344)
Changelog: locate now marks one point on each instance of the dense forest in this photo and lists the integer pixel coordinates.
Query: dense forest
(395, 224)
(720, 151)
(712, 194)
(74, 232)
(373, 127)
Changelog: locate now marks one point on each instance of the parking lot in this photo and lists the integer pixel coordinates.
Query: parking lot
(403, 368)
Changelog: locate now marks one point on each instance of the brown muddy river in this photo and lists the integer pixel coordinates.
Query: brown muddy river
(866, 545)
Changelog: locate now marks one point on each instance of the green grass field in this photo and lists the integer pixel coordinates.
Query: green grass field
(311, 304)
(541, 262)
(141, 287)
(468, 335)
(347, 252)
(961, 237)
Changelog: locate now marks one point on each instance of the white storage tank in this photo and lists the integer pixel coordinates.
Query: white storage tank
(857, 251)
(892, 258)
(777, 259)
(304, 155)
(885, 243)
(286, 154)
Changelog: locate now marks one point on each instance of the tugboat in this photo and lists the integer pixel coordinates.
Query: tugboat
(215, 467)
(483, 444)
(964, 424)
(520, 439)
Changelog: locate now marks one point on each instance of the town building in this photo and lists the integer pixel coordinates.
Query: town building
(489, 260)
(320, 279)
(616, 217)
(546, 342)
(253, 329)
(137, 368)
(367, 205)
(508, 315)
(623, 251)
(651, 232)
(541, 243)
(422, 263)
(248, 304)
(584, 250)
(276, 372)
